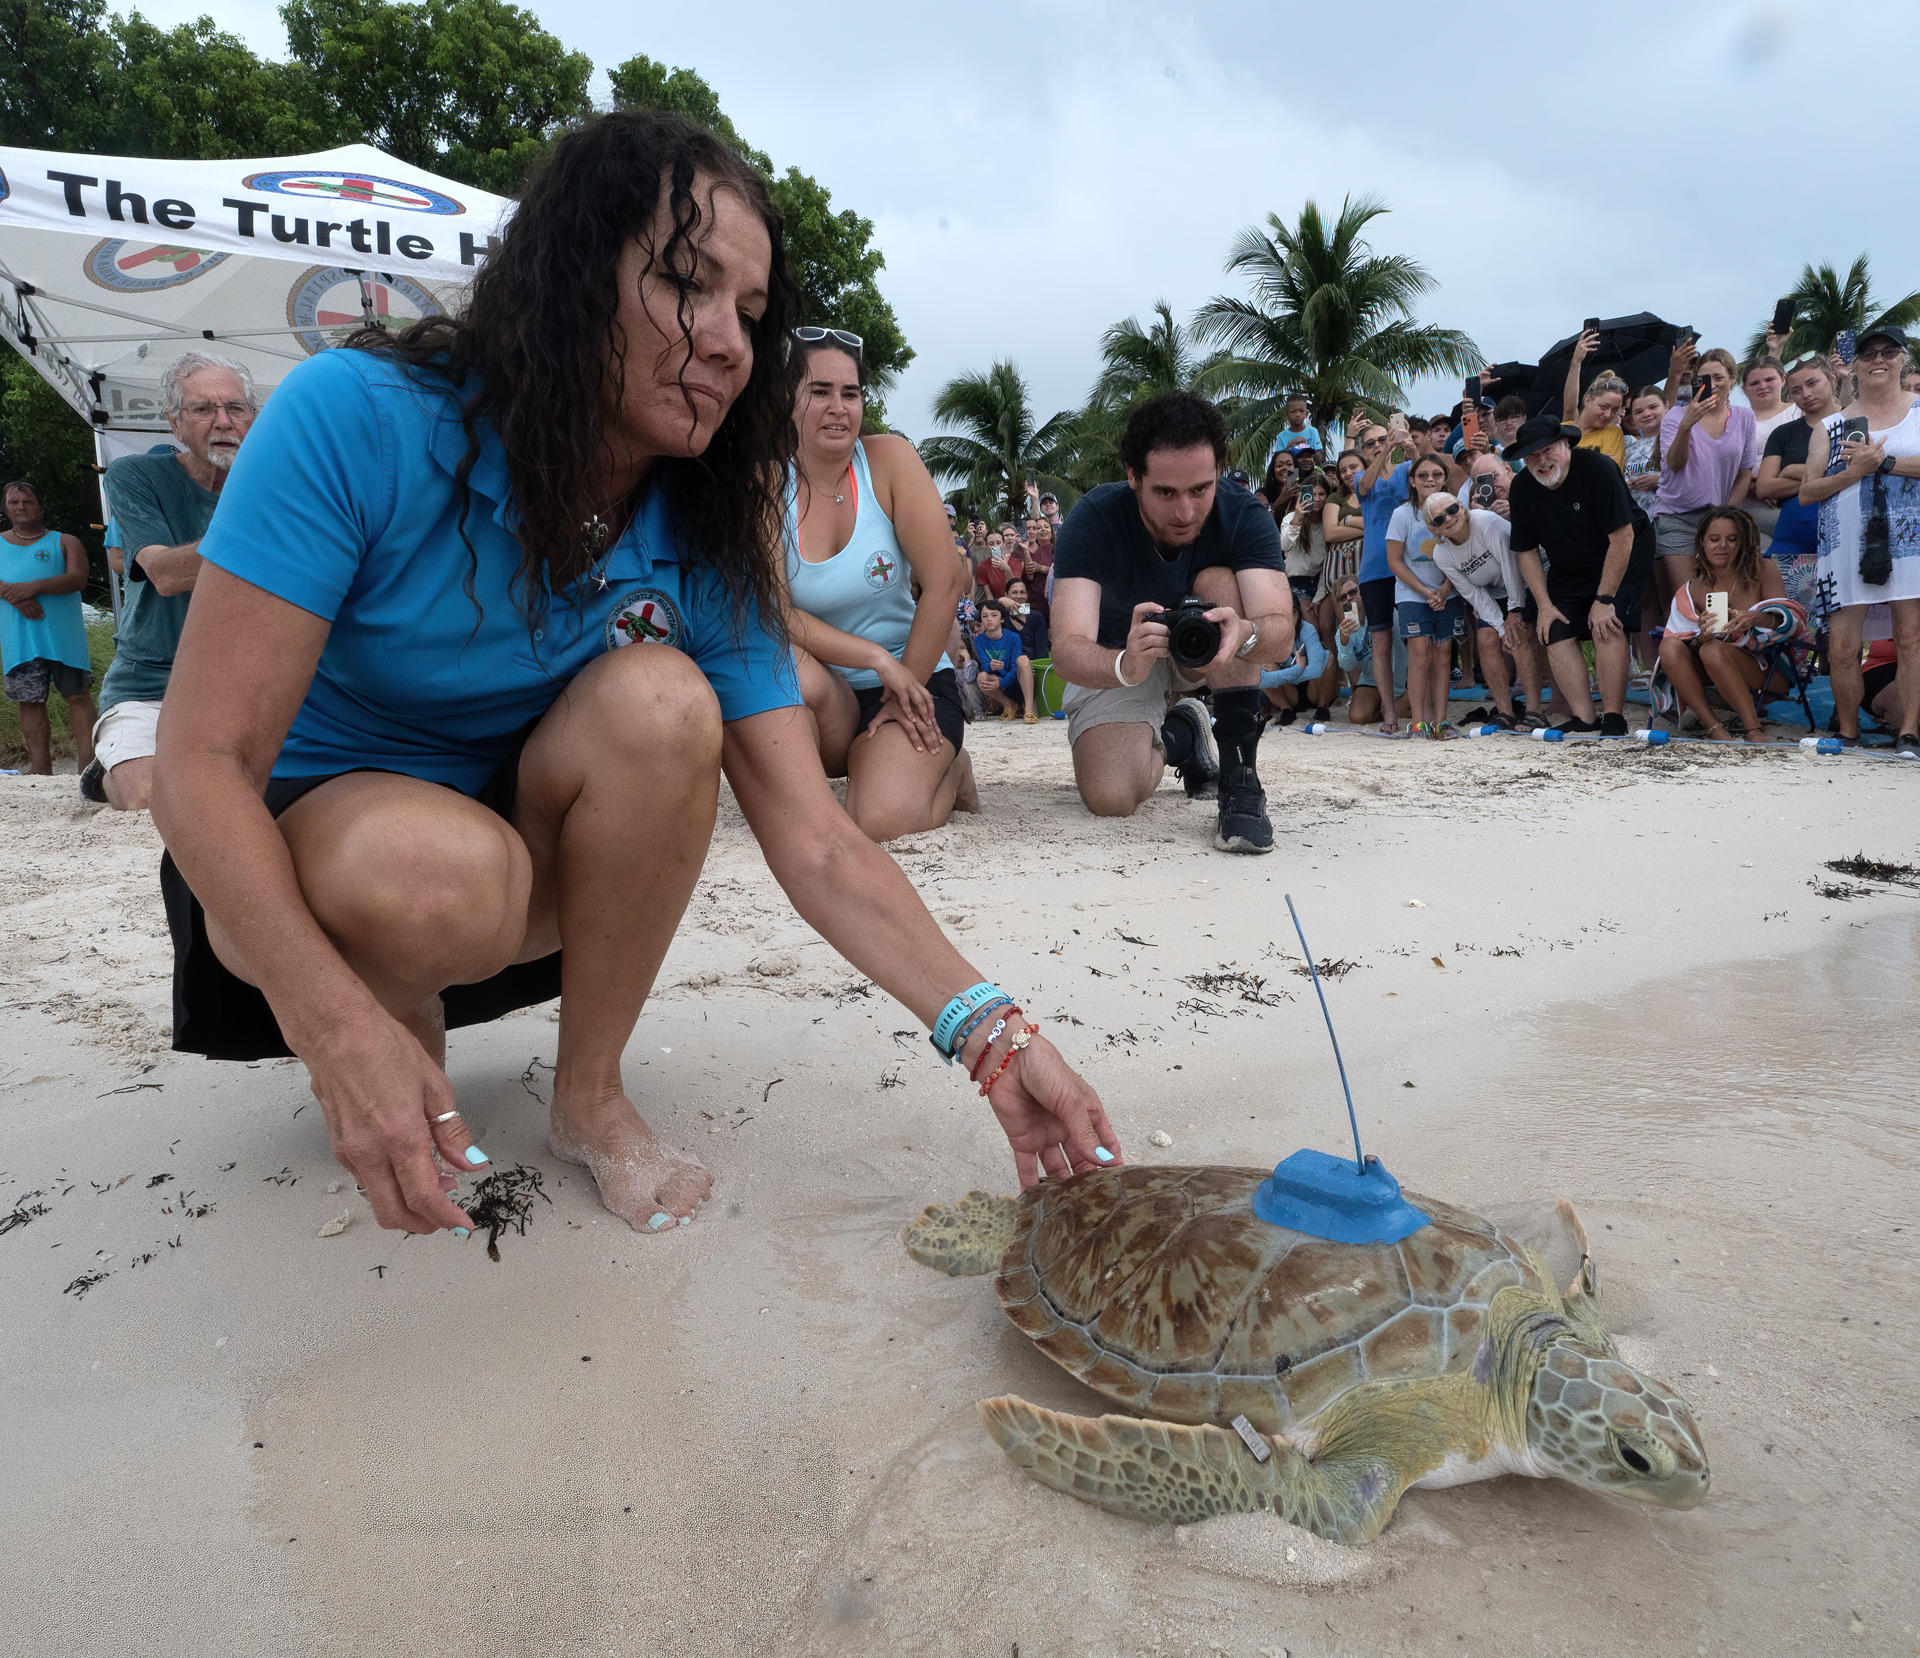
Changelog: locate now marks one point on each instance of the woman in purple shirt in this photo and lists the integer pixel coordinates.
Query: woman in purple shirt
(1709, 452)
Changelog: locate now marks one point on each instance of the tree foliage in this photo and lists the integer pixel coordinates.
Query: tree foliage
(1825, 303)
(998, 446)
(1327, 316)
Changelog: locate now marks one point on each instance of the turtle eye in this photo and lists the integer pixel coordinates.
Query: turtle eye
(1630, 1459)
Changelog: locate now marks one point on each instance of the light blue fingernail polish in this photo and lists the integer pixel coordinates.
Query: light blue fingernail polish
(658, 1221)
(1103, 1154)
(476, 1156)
(686, 1220)
(461, 1232)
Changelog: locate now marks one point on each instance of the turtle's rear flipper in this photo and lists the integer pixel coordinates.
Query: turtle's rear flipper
(964, 1238)
(1166, 1471)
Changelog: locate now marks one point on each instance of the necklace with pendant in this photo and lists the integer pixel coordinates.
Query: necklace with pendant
(594, 535)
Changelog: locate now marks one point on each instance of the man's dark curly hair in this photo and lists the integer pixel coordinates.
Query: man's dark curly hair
(1173, 420)
(535, 348)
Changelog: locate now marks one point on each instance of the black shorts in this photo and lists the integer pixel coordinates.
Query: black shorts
(1304, 588)
(1576, 607)
(224, 1017)
(944, 688)
(1876, 679)
(1377, 597)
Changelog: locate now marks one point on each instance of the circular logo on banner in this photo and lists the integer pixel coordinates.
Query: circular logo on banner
(354, 190)
(644, 616)
(141, 267)
(880, 570)
(325, 303)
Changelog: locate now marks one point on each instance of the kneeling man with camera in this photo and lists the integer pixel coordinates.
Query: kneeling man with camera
(1165, 583)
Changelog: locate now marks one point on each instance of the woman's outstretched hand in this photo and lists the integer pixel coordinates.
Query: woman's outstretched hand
(1052, 1117)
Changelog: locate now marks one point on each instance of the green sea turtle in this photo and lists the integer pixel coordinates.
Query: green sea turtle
(1359, 1369)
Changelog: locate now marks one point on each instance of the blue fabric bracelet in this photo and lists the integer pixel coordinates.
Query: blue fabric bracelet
(973, 1024)
(968, 1001)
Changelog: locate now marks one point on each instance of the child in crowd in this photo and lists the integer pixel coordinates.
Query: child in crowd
(1003, 663)
(1286, 685)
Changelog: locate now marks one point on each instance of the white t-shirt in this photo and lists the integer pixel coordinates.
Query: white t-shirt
(1762, 428)
(1482, 568)
(1407, 527)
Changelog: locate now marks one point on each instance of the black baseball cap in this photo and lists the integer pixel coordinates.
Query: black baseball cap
(1535, 435)
(1884, 331)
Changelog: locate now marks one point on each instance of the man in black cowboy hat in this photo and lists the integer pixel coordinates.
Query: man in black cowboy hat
(1571, 505)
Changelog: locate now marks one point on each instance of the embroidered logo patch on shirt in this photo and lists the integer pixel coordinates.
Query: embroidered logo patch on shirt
(645, 615)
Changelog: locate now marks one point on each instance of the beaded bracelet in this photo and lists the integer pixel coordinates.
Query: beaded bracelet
(973, 1024)
(993, 1036)
(1018, 1046)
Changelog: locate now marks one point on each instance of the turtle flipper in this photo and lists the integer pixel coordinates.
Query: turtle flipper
(1165, 1471)
(966, 1237)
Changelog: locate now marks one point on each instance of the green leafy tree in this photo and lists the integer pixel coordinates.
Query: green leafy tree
(62, 61)
(1825, 303)
(1327, 316)
(194, 92)
(998, 445)
(831, 253)
(1136, 363)
(471, 89)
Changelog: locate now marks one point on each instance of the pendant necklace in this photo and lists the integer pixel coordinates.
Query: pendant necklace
(594, 535)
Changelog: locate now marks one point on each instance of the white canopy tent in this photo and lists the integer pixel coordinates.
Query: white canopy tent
(111, 267)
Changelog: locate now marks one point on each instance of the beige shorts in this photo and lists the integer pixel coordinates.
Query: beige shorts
(126, 731)
(1147, 703)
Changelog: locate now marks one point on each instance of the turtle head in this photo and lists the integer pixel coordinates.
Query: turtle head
(1598, 1422)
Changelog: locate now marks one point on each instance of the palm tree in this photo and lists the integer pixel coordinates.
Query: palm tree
(998, 446)
(1825, 303)
(1328, 317)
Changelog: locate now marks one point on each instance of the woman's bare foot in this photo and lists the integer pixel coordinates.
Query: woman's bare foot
(645, 1184)
(966, 795)
(1725, 736)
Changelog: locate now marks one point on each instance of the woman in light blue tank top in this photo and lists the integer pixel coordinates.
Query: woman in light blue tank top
(865, 529)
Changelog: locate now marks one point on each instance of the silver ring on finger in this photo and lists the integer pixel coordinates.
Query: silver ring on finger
(446, 1116)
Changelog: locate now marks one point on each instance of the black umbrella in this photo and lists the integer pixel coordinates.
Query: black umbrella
(1637, 349)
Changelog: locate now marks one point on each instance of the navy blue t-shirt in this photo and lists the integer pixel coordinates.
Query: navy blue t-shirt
(1104, 540)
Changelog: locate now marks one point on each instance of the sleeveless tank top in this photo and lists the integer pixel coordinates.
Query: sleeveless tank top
(866, 588)
(60, 633)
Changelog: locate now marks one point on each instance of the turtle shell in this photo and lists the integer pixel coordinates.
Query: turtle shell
(1161, 1288)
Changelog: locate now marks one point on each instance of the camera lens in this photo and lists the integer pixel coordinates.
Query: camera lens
(1192, 640)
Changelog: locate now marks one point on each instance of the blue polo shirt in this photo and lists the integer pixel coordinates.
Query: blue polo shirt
(342, 501)
(1376, 510)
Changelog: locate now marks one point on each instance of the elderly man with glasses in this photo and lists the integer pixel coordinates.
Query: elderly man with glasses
(163, 504)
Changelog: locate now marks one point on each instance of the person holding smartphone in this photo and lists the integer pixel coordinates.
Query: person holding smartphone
(1710, 629)
(1813, 384)
(1382, 489)
(1709, 452)
(1863, 473)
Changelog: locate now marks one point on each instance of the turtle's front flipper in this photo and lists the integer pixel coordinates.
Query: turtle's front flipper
(1164, 1471)
(966, 1237)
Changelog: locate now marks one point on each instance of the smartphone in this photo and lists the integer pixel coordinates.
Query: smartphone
(1483, 492)
(1470, 414)
(1854, 429)
(1703, 386)
(1783, 317)
(1843, 346)
(1717, 611)
(1350, 613)
(1590, 326)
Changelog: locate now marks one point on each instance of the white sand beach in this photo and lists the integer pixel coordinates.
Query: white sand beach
(1597, 971)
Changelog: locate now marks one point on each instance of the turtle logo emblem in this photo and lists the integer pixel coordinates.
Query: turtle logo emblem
(325, 305)
(646, 616)
(880, 569)
(354, 190)
(143, 267)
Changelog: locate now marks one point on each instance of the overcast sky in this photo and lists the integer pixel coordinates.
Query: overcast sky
(1036, 172)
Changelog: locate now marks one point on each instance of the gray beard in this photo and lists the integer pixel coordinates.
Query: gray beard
(221, 458)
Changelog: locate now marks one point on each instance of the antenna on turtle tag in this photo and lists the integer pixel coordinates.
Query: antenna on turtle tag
(1344, 1201)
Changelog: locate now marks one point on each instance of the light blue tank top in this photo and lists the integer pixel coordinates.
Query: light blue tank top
(60, 635)
(866, 588)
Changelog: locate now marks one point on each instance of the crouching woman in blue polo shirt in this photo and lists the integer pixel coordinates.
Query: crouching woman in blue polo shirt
(411, 775)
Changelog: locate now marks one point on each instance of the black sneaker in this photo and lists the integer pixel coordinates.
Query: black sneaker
(1573, 723)
(1613, 725)
(93, 783)
(1187, 734)
(1907, 745)
(1243, 823)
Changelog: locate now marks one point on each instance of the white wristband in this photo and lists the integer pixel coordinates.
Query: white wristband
(1120, 656)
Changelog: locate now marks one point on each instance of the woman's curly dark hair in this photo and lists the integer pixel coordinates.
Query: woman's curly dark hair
(535, 346)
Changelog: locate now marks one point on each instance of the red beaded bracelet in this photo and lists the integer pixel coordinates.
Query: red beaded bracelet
(993, 1036)
(1018, 1046)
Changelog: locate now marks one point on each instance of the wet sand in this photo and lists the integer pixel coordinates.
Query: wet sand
(757, 1434)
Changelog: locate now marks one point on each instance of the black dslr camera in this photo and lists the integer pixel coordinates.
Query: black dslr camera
(1192, 640)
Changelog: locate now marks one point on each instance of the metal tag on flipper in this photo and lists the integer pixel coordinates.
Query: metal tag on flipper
(1253, 1439)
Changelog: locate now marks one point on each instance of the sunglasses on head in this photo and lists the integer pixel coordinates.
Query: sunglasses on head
(809, 335)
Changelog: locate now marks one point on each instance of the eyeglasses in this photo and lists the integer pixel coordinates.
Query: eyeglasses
(1446, 517)
(236, 412)
(1879, 354)
(1372, 443)
(809, 335)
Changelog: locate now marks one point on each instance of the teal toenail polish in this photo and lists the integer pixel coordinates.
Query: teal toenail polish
(461, 1232)
(1103, 1154)
(658, 1221)
(476, 1156)
(686, 1220)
